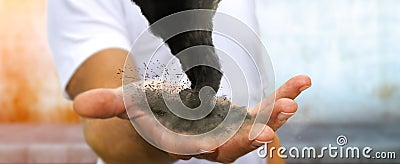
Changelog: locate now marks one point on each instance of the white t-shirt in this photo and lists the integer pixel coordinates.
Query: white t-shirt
(78, 29)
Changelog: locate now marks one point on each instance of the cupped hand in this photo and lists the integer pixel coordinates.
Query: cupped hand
(107, 103)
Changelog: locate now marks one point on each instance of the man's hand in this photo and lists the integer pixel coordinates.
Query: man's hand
(107, 103)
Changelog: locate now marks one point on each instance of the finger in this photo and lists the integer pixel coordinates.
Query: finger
(293, 87)
(284, 108)
(267, 136)
(240, 145)
(100, 103)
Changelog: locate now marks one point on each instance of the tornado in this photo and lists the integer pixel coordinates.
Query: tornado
(208, 74)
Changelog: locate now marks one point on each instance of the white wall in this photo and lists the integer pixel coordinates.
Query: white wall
(350, 48)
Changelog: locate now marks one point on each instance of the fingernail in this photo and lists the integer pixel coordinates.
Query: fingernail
(284, 116)
(257, 143)
(206, 151)
(304, 88)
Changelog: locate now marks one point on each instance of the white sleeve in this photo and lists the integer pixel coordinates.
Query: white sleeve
(78, 29)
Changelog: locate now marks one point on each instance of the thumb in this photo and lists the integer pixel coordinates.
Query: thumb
(100, 103)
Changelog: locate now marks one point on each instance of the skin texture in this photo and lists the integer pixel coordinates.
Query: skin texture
(97, 98)
(199, 76)
(113, 139)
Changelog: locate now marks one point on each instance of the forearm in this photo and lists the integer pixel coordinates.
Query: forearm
(114, 139)
(99, 71)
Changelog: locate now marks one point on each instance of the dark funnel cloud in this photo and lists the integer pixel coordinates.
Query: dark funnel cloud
(200, 76)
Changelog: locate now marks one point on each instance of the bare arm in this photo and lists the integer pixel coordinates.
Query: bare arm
(99, 71)
(113, 139)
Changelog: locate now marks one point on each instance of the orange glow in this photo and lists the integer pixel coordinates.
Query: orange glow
(29, 90)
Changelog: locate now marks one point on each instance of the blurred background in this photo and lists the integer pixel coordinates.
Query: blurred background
(37, 125)
(28, 84)
(350, 48)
